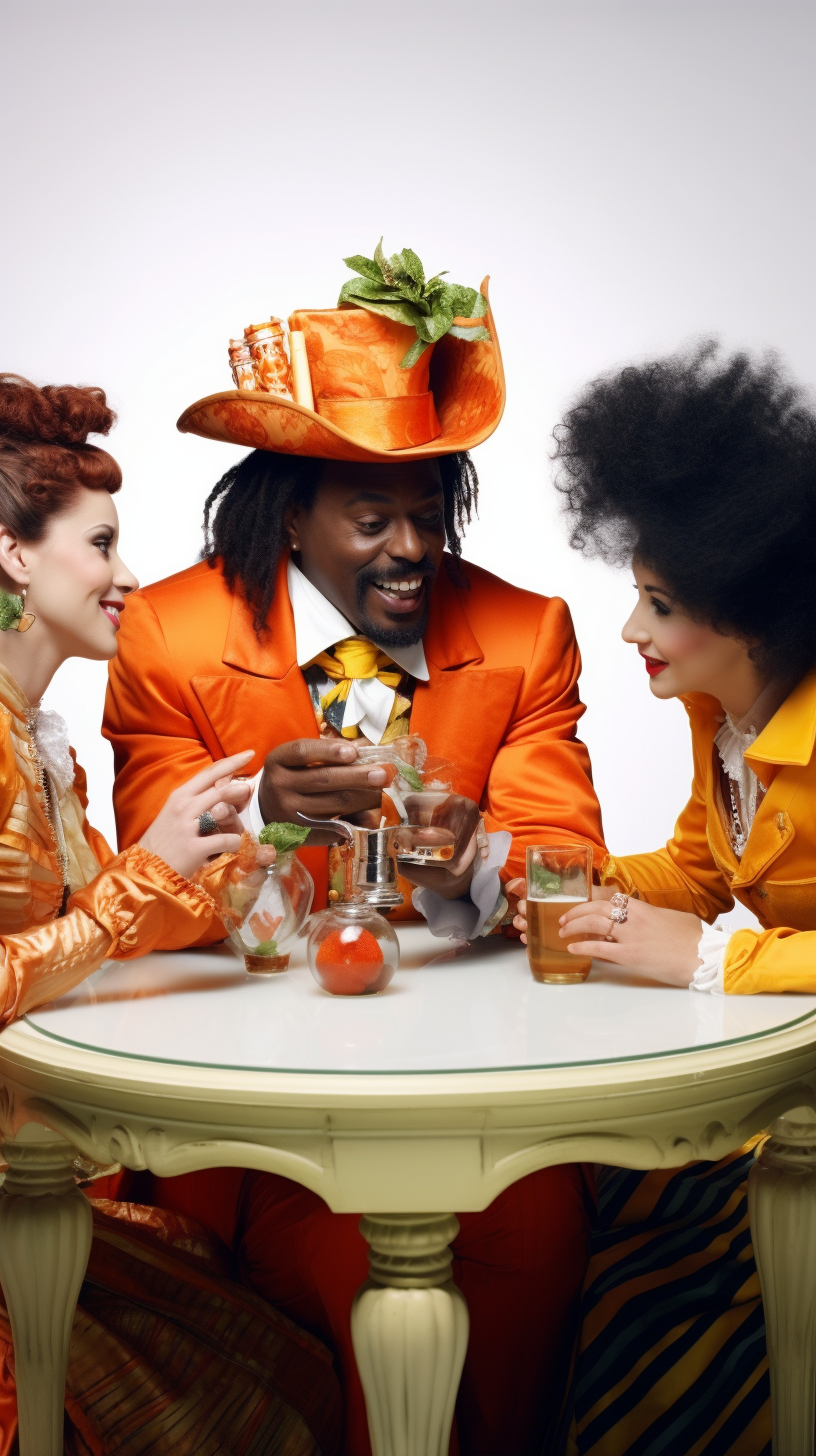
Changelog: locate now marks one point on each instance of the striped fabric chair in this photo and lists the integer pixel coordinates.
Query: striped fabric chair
(672, 1358)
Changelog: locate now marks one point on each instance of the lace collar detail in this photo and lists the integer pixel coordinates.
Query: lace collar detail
(50, 734)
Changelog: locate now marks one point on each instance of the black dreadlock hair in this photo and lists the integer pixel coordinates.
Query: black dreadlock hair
(244, 517)
(704, 468)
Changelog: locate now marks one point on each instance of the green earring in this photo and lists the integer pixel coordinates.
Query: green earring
(13, 615)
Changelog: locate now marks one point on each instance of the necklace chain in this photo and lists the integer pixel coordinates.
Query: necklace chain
(49, 798)
(739, 838)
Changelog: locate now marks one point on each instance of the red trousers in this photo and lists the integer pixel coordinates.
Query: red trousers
(520, 1265)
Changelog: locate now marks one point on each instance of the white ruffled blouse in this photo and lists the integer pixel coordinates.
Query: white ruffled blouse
(733, 741)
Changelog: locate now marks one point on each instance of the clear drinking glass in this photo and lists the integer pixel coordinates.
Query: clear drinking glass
(558, 877)
(432, 839)
(274, 905)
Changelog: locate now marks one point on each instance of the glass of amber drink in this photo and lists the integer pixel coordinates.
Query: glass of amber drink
(558, 877)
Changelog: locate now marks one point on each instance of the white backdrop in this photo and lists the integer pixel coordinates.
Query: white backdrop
(632, 173)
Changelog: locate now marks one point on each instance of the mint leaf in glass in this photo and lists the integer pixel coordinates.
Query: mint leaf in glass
(283, 837)
(412, 778)
(543, 883)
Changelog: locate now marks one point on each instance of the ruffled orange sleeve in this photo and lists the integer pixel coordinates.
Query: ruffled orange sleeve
(137, 904)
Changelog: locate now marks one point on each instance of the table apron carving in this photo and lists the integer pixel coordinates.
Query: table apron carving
(446, 1157)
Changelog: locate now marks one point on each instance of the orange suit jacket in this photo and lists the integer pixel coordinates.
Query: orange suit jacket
(192, 682)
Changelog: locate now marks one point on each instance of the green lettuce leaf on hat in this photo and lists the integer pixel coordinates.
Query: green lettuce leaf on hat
(397, 288)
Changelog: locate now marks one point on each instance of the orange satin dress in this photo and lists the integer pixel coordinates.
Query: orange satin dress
(168, 1354)
(193, 681)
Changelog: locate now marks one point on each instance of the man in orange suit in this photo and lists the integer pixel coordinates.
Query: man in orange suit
(328, 611)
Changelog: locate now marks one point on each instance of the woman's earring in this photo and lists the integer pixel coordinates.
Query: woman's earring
(27, 619)
(13, 615)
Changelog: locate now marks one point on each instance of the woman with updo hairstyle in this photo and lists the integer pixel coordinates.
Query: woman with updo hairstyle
(166, 1349)
(699, 473)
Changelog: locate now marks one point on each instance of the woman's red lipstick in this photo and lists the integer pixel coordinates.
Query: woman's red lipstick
(654, 665)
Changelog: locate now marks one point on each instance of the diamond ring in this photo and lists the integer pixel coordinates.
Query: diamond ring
(620, 908)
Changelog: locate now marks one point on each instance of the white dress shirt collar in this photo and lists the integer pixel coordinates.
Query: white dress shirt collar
(318, 625)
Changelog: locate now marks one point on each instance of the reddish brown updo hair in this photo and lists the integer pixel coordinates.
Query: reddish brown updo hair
(44, 457)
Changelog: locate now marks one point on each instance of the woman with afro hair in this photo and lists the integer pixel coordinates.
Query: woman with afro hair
(699, 473)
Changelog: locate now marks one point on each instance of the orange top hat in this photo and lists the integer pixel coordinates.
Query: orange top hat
(366, 406)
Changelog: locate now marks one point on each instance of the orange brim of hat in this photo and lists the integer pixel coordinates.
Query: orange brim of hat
(467, 381)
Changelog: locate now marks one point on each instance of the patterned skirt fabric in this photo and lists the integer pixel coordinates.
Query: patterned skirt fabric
(169, 1355)
(672, 1358)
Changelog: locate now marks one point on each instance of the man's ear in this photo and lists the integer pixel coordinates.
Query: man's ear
(290, 520)
(13, 568)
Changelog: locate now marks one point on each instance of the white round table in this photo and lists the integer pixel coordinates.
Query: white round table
(459, 1079)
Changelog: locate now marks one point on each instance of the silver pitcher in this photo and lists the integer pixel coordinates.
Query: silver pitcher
(369, 860)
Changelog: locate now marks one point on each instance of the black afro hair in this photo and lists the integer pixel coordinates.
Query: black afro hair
(704, 469)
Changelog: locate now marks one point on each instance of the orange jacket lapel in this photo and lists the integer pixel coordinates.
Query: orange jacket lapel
(462, 711)
(462, 715)
(256, 712)
(272, 654)
(261, 699)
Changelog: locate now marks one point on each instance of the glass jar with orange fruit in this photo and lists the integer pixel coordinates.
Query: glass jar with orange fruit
(352, 950)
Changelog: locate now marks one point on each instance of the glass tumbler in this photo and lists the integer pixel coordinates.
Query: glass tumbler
(558, 877)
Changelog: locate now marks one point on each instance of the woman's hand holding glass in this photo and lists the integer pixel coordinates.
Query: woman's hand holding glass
(175, 834)
(662, 944)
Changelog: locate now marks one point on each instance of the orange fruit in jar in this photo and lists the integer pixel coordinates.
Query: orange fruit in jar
(349, 961)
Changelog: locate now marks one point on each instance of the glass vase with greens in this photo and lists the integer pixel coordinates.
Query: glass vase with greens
(269, 906)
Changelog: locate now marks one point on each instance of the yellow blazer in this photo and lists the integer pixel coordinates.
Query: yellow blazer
(776, 877)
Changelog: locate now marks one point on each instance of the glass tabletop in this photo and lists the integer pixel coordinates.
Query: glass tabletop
(447, 1010)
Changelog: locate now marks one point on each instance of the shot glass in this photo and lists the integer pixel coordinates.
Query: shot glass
(558, 877)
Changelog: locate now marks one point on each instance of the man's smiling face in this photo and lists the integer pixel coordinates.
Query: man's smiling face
(372, 543)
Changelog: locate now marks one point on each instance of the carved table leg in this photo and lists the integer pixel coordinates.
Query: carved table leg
(409, 1326)
(45, 1240)
(782, 1207)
